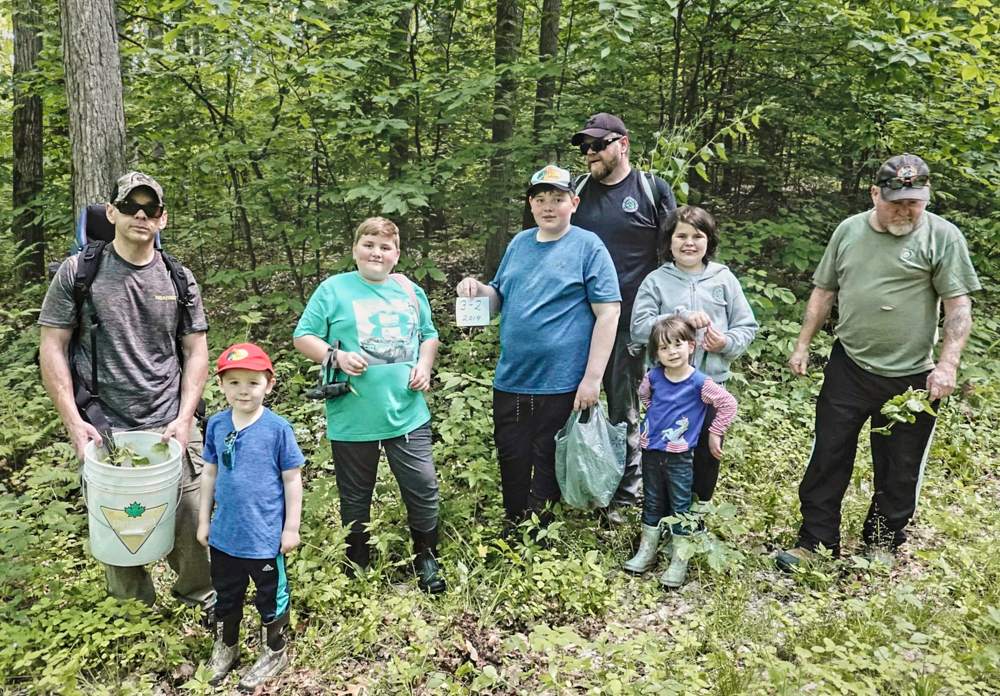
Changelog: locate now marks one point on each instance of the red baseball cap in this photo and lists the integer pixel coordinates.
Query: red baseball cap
(245, 356)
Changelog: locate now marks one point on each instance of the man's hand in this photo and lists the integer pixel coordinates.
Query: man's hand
(941, 381)
(587, 394)
(715, 445)
(202, 534)
(353, 364)
(715, 341)
(420, 378)
(289, 540)
(798, 363)
(180, 430)
(82, 433)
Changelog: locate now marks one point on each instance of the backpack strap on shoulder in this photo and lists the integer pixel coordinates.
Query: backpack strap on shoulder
(87, 264)
(580, 182)
(648, 182)
(179, 279)
(407, 285)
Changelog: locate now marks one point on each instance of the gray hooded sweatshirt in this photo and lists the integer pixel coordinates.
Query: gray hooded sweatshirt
(669, 290)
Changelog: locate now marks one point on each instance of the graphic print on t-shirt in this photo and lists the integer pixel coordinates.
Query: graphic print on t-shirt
(386, 330)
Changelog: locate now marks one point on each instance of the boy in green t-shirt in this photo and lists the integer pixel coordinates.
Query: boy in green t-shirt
(375, 326)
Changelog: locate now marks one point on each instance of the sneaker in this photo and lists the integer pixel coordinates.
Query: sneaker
(269, 664)
(789, 559)
(224, 658)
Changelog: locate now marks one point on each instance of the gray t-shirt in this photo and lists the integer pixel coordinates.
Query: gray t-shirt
(138, 370)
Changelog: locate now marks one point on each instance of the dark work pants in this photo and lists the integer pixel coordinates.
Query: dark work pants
(231, 576)
(849, 397)
(621, 388)
(410, 460)
(524, 430)
(706, 467)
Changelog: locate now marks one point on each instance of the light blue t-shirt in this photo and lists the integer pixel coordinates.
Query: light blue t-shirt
(249, 494)
(546, 322)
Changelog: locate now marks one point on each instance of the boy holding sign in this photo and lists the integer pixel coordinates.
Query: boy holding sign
(557, 293)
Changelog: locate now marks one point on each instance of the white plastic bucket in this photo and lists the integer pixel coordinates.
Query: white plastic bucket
(131, 511)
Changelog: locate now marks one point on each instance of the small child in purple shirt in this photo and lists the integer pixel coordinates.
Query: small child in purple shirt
(677, 399)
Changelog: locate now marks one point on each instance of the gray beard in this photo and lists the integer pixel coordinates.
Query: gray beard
(900, 230)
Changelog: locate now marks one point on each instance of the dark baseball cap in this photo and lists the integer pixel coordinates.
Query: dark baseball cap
(904, 177)
(127, 183)
(600, 126)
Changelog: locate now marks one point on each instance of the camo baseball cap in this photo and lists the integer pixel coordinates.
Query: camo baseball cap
(127, 183)
(550, 176)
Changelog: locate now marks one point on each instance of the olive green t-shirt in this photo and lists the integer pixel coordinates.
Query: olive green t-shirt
(889, 290)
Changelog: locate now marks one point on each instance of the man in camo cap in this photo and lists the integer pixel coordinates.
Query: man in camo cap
(152, 359)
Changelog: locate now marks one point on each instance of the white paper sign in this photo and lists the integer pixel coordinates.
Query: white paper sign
(472, 311)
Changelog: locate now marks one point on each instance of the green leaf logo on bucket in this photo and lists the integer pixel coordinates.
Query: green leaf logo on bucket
(135, 509)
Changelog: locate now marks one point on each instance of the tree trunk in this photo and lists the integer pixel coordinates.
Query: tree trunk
(28, 141)
(548, 46)
(94, 97)
(507, 43)
(676, 67)
(402, 109)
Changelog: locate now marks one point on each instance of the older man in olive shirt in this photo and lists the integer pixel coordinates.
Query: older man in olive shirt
(889, 269)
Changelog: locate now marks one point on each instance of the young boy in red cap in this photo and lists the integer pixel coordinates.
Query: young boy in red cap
(252, 475)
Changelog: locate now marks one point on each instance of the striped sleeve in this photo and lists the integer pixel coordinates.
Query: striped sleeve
(724, 403)
(646, 391)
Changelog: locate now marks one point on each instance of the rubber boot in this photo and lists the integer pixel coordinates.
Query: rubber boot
(676, 573)
(225, 657)
(425, 565)
(273, 656)
(645, 558)
(359, 553)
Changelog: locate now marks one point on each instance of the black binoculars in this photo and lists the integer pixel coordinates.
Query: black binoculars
(327, 391)
(327, 387)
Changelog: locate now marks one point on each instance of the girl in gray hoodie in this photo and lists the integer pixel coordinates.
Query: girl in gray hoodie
(708, 295)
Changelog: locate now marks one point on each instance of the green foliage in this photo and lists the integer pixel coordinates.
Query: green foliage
(904, 409)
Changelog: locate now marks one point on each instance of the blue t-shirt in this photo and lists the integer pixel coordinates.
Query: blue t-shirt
(249, 495)
(546, 322)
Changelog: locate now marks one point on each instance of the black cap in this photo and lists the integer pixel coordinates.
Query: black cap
(600, 126)
(905, 167)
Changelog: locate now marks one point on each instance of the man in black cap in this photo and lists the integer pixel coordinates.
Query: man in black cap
(889, 269)
(623, 207)
(151, 357)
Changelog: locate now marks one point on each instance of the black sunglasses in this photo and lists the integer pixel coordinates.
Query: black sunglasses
(597, 145)
(896, 183)
(129, 207)
(229, 452)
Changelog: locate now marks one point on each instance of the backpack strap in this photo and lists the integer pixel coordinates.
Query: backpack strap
(179, 279)
(648, 182)
(580, 182)
(407, 285)
(87, 265)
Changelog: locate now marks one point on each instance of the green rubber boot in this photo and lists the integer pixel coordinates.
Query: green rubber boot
(676, 573)
(645, 558)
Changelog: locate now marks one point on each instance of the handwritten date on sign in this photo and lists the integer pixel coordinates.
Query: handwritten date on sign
(472, 311)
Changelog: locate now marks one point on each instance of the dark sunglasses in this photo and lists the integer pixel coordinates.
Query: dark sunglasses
(896, 183)
(597, 145)
(229, 452)
(152, 210)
